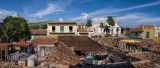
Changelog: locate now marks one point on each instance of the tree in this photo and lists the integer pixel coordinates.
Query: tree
(106, 29)
(15, 28)
(101, 26)
(111, 22)
(89, 23)
(117, 30)
(125, 29)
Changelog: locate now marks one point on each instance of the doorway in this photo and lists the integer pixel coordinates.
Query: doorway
(3, 54)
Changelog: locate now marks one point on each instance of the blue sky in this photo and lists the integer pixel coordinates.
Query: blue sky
(126, 12)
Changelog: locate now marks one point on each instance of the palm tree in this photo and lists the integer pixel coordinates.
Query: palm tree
(111, 21)
(101, 26)
(89, 23)
(117, 30)
(106, 29)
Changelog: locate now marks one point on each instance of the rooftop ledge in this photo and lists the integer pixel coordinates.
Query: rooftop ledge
(62, 32)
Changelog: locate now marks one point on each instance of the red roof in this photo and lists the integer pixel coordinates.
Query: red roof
(23, 43)
(82, 31)
(47, 43)
(44, 40)
(5, 44)
(39, 31)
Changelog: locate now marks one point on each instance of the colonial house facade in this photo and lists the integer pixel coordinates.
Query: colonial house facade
(142, 31)
(62, 28)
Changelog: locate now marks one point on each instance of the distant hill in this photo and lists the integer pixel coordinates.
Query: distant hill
(42, 25)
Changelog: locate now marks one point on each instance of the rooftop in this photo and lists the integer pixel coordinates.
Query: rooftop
(62, 55)
(39, 31)
(45, 40)
(62, 23)
(82, 43)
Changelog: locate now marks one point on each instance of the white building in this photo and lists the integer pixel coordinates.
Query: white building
(113, 29)
(96, 30)
(157, 31)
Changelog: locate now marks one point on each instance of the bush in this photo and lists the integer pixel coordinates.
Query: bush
(107, 35)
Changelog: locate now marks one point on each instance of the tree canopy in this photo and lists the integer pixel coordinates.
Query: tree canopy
(38, 25)
(106, 29)
(102, 25)
(126, 28)
(111, 21)
(15, 28)
(89, 23)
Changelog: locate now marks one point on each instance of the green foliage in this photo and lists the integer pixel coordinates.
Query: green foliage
(38, 25)
(106, 29)
(107, 35)
(79, 26)
(111, 21)
(15, 28)
(89, 23)
(1, 30)
(123, 29)
(102, 25)
(117, 30)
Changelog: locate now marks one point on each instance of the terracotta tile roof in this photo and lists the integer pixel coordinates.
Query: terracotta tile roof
(5, 44)
(82, 31)
(82, 43)
(48, 40)
(109, 41)
(146, 56)
(136, 30)
(22, 43)
(144, 64)
(39, 31)
(62, 55)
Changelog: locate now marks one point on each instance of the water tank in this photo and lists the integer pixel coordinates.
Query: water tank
(89, 59)
(31, 61)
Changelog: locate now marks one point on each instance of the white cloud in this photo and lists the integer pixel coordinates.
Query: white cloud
(131, 20)
(98, 20)
(50, 9)
(135, 19)
(4, 13)
(115, 10)
(61, 19)
(85, 16)
(53, 7)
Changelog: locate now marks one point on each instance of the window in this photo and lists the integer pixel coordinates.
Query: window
(61, 28)
(147, 34)
(70, 28)
(53, 28)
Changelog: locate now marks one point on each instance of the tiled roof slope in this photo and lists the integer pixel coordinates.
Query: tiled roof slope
(39, 31)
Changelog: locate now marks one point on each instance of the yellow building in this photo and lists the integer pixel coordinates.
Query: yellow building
(62, 28)
(142, 31)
